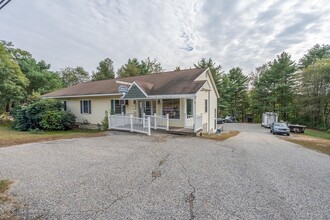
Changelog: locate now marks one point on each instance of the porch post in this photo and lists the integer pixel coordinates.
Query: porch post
(155, 125)
(149, 130)
(167, 122)
(143, 120)
(185, 120)
(131, 120)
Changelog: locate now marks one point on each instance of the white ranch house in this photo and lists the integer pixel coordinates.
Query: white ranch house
(178, 101)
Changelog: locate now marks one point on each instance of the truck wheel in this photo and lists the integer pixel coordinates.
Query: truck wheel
(288, 134)
(273, 133)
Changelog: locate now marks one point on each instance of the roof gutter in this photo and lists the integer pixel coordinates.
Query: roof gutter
(78, 96)
(165, 97)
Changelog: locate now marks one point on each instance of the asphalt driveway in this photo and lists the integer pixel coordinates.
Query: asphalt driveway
(254, 175)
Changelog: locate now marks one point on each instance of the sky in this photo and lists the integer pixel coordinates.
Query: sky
(233, 33)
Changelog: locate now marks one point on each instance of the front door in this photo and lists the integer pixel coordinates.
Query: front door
(148, 107)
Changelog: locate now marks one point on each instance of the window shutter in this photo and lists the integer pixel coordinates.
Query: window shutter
(81, 106)
(90, 107)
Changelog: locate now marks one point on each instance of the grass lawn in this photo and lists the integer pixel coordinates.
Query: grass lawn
(4, 186)
(319, 134)
(10, 137)
(312, 139)
(222, 136)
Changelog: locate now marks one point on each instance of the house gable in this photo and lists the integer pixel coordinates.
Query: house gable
(207, 75)
(135, 92)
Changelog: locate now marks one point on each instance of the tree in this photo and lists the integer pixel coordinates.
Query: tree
(315, 53)
(135, 68)
(105, 70)
(72, 76)
(314, 99)
(274, 88)
(131, 68)
(148, 66)
(13, 83)
(260, 92)
(234, 97)
(41, 78)
(214, 68)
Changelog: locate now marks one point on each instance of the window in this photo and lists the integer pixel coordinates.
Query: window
(118, 106)
(189, 106)
(205, 105)
(85, 107)
(64, 105)
(172, 108)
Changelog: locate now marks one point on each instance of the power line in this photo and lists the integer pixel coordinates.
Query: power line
(4, 4)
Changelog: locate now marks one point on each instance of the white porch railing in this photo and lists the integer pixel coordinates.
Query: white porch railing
(193, 122)
(130, 123)
(159, 121)
(189, 121)
(198, 123)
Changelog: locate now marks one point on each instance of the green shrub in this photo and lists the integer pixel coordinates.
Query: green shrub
(105, 121)
(44, 114)
(51, 120)
(68, 120)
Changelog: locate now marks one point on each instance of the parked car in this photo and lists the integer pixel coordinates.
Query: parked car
(230, 119)
(220, 120)
(279, 128)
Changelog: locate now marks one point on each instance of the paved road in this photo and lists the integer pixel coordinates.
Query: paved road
(252, 176)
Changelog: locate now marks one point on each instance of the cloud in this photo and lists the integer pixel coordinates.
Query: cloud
(176, 33)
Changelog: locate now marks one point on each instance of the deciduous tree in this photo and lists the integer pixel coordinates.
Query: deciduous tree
(133, 67)
(72, 76)
(105, 70)
(13, 83)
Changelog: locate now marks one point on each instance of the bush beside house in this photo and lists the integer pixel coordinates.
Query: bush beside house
(44, 114)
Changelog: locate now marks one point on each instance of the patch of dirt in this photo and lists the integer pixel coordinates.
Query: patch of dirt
(317, 144)
(159, 137)
(222, 136)
(8, 204)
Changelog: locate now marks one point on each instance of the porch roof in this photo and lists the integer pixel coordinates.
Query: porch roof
(164, 83)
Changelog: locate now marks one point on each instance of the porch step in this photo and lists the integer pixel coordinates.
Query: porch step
(183, 131)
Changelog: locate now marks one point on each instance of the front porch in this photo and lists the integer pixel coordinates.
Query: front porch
(146, 123)
(173, 114)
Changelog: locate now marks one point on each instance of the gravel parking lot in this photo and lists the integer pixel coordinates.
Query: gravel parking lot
(254, 175)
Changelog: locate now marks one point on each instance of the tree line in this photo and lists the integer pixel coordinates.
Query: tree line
(297, 91)
(23, 78)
